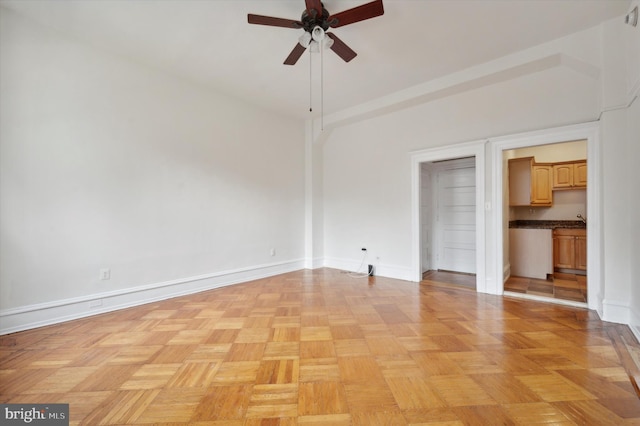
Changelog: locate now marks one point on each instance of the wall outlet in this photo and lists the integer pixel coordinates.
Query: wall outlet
(105, 274)
(95, 303)
(272, 252)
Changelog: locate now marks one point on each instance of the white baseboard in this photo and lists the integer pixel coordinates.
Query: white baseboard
(506, 273)
(616, 311)
(314, 263)
(382, 270)
(42, 314)
(634, 324)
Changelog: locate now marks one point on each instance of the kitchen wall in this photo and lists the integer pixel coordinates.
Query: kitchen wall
(108, 164)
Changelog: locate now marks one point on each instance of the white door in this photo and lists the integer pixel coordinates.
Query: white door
(456, 216)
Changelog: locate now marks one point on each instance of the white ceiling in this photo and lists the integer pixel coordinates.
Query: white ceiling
(210, 42)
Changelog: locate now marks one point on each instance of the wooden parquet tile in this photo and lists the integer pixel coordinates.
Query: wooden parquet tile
(322, 348)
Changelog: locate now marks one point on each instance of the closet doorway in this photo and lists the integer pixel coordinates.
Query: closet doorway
(448, 207)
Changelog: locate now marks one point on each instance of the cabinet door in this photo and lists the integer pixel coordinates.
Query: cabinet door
(562, 176)
(541, 194)
(580, 174)
(564, 251)
(520, 181)
(581, 253)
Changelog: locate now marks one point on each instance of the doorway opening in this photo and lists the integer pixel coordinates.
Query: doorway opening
(457, 240)
(547, 205)
(448, 220)
(588, 132)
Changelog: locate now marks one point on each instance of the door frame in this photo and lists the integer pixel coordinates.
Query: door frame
(588, 131)
(469, 149)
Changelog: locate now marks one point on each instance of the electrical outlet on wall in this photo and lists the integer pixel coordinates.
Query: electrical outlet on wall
(105, 274)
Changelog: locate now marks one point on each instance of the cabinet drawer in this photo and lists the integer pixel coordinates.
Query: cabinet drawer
(570, 232)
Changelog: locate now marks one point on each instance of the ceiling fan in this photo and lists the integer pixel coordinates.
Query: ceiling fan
(315, 21)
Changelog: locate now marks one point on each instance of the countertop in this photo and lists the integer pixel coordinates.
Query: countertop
(548, 224)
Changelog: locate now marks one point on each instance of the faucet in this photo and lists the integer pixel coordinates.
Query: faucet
(584, 220)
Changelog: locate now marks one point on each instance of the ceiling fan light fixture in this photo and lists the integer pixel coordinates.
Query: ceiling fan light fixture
(305, 39)
(328, 42)
(317, 33)
(314, 47)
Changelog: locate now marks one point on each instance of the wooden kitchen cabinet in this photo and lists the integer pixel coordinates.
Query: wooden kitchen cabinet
(580, 174)
(530, 183)
(541, 194)
(581, 253)
(570, 249)
(569, 175)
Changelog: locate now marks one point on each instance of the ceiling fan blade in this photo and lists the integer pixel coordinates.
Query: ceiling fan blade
(273, 22)
(295, 54)
(314, 5)
(341, 49)
(357, 14)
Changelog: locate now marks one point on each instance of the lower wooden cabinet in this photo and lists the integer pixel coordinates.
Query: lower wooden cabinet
(570, 249)
(581, 253)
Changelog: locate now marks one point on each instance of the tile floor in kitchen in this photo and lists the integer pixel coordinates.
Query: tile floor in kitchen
(562, 286)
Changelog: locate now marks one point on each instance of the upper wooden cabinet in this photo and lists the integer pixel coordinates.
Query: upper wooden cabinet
(580, 174)
(529, 183)
(541, 194)
(569, 175)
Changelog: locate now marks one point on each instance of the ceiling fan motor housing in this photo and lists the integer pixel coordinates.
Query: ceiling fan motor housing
(310, 20)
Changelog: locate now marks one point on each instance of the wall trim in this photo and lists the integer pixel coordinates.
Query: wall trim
(506, 272)
(633, 324)
(314, 263)
(545, 299)
(42, 314)
(616, 311)
(380, 269)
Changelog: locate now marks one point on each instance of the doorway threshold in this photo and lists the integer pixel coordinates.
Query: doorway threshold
(545, 299)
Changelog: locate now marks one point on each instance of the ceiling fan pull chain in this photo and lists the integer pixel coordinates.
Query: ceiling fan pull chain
(310, 83)
(321, 85)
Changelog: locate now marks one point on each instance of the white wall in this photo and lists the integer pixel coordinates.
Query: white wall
(633, 122)
(105, 163)
(619, 86)
(367, 168)
(632, 45)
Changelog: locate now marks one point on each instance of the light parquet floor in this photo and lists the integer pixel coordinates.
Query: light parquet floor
(323, 348)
